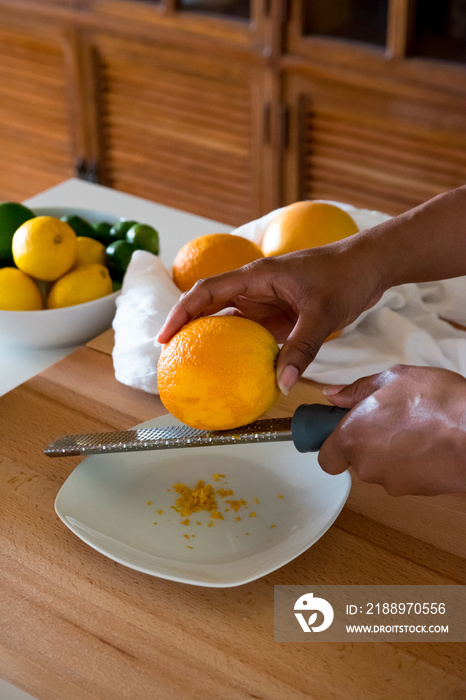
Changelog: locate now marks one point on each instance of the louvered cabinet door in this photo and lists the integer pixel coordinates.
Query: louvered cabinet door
(179, 127)
(35, 134)
(371, 147)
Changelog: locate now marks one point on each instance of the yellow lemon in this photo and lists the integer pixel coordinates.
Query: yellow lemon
(90, 251)
(306, 225)
(82, 284)
(45, 248)
(18, 292)
(218, 372)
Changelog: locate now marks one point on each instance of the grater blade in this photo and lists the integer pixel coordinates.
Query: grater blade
(170, 437)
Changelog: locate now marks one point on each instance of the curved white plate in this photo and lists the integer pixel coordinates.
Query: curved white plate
(105, 502)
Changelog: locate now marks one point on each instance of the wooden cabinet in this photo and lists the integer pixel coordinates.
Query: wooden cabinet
(229, 108)
(373, 147)
(180, 128)
(376, 114)
(36, 139)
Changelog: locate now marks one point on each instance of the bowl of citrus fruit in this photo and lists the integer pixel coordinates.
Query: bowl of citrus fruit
(61, 269)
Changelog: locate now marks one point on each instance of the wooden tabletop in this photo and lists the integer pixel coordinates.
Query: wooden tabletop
(77, 626)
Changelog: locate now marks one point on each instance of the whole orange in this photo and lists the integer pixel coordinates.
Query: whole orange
(306, 225)
(210, 255)
(218, 372)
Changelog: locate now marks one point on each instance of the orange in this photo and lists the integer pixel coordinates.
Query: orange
(306, 225)
(45, 248)
(18, 292)
(332, 336)
(210, 255)
(218, 372)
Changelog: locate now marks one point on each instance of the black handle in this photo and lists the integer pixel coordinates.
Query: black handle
(313, 423)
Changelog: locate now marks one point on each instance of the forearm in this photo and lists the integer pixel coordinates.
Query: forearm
(424, 244)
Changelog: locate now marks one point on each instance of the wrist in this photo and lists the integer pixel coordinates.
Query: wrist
(371, 264)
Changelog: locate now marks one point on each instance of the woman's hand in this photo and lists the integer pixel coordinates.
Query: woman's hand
(300, 297)
(406, 431)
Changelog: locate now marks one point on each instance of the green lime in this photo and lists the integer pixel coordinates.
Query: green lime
(117, 258)
(116, 286)
(144, 237)
(118, 230)
(80, 226)
(102, 232)
(12, 215)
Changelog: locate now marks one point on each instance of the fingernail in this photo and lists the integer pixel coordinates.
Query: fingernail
(287, 379)
(331, 390)
(157, 342)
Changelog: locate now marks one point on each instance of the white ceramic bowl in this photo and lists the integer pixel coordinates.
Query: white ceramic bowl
(72, 325)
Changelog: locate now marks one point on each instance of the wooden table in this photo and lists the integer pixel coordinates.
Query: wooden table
(78, 626)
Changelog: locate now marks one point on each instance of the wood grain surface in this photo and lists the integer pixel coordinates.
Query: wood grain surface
(76, 625)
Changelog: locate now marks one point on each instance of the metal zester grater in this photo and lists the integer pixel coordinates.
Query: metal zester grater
(309, 427)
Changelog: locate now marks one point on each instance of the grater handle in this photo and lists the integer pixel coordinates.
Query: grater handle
(313, 423)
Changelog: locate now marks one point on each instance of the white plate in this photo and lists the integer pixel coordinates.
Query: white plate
(111, 502)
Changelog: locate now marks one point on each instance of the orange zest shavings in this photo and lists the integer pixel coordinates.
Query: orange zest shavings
(204, 497)
(236, 505)
(223, 493)
(201, 497)
(216, 515)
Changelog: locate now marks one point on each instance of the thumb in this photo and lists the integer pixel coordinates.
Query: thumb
(351, 394)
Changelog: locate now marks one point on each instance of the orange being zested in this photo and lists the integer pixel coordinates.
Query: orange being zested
(218, 372)
(210, 255)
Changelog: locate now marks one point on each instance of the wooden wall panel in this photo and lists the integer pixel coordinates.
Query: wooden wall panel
(35, 139)
(375, 150)
(178, 128)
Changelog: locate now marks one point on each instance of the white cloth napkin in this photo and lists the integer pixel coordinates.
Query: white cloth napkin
(408, 325)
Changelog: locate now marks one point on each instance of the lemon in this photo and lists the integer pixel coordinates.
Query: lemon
(82, 284)
(18, 292)
(12, 215)
(45, 248)
(89, 251)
